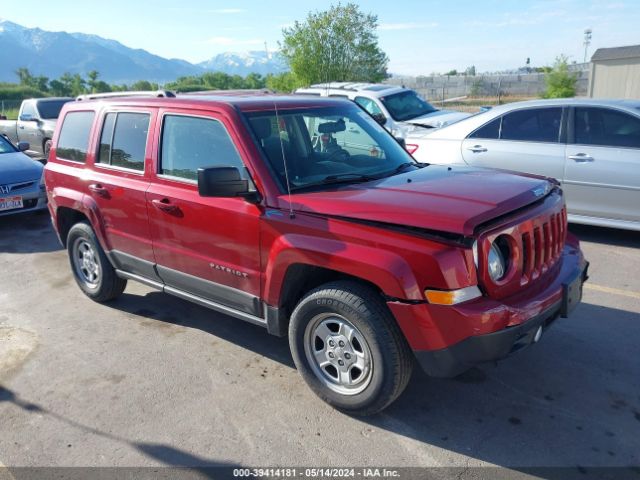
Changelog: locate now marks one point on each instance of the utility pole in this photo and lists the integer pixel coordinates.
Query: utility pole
(587, 41)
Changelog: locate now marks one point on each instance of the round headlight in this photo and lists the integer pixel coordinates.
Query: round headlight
(496, 262)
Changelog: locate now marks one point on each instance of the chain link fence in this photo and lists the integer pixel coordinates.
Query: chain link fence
(470, 93)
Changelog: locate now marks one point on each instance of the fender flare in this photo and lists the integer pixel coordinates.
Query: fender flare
(385, 269)
(80, 202)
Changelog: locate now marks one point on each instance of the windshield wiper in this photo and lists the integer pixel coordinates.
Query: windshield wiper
(404, 165)
(337, 179)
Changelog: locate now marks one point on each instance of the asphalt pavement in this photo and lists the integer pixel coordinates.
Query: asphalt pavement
(151, 380)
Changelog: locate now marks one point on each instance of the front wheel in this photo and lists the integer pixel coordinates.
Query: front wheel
(348, 347)
(91, 269)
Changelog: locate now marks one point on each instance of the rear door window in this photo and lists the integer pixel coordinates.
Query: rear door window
(532, 125)
(123, 140)
(73, 141)
(606, 127)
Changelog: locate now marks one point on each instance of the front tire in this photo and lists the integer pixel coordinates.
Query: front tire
(348, 347)
(91, 268)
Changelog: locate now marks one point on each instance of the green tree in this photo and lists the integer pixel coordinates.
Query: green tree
(561, 83)
(339, 44)
(254, 81)
(143, 85)
(284, 82)
(59, 89)
(92, 80)
(25, 77)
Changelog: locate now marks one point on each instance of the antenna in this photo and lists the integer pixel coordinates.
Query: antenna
(292, 215)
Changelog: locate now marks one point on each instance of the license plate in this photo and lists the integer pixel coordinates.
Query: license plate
(10, 203)
(571, 294)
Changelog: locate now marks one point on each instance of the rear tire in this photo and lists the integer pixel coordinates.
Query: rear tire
(91, 268)
(348, 347)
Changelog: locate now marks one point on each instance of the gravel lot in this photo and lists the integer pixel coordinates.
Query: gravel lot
(151, 380)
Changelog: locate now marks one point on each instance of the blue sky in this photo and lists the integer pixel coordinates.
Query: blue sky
(420, 37)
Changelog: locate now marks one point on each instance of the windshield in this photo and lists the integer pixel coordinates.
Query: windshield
(406, 105)
(50, 109)
(6, 146)
(330, 145)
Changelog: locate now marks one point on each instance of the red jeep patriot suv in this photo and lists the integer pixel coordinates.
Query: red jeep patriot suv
(263, 208)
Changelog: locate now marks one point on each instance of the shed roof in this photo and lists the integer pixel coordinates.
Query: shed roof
(616, 53)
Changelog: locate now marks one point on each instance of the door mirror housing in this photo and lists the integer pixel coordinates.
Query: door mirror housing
(222, 182)
(380, 118)
(23, 146)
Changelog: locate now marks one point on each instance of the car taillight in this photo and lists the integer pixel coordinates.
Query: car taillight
(411, 148)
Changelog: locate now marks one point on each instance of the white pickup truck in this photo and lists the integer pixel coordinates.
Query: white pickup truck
(35, 125)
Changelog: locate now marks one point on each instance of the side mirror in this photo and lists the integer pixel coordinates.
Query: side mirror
(380, 118)
(221, 182)
(23, 146)
(25, 117)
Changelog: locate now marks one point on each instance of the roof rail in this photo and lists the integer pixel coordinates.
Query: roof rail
(150, 93)
(239, 91)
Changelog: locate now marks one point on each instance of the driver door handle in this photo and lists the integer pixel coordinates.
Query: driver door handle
(477, 149)
(165, 205)
(581, 158)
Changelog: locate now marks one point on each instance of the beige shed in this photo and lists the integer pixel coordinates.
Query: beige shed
(615, 73)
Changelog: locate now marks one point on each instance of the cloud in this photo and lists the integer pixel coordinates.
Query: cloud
(228, 11)
(406, 26)
(229, 41)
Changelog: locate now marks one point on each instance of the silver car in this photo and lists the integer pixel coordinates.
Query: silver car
(591, 146)
(21, 180)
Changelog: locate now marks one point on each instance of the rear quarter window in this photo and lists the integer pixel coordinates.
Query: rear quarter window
(73, 141)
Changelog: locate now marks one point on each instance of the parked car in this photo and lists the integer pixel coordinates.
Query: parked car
(591, 146)
(35, 125)
(21, 180)
(400, 110)
(364, 257)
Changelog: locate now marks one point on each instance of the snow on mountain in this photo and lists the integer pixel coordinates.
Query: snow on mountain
(53, 53)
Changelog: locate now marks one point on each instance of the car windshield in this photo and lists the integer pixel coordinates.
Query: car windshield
(6, 146)
(407, 105)
(50, 109)
(324, 146)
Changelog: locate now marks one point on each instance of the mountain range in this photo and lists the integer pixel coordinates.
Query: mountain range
(53, 53)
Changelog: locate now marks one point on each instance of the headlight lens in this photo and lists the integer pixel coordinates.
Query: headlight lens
(496, 263)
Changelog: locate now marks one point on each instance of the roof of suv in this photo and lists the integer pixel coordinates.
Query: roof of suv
(244, 102)
(370, 89)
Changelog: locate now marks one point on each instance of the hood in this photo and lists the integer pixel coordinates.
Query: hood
(437, 198)
(17, 167)
(437, 119)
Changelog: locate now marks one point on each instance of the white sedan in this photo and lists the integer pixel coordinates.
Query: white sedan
(591, 146)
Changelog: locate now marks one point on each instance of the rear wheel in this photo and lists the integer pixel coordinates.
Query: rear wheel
(91, 269)
(348, 347)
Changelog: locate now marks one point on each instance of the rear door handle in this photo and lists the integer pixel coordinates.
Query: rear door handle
(99, 189)
(477, 149)
(581, 158)
(165, 205)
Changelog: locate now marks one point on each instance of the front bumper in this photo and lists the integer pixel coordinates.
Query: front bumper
(449, 340)
(32, 201)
